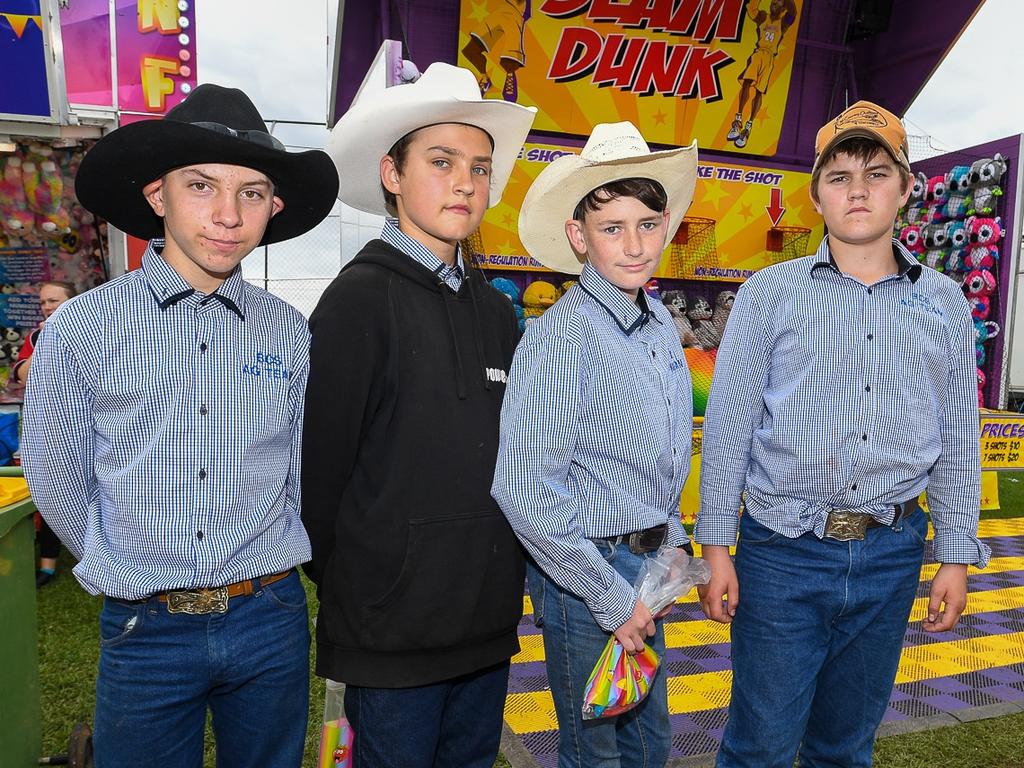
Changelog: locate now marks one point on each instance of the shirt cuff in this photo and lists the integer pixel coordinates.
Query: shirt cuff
(676, 536)
(960, 548)
(716, 528)
(615, 606)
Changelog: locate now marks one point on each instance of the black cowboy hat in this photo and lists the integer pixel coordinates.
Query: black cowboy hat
(213, 125)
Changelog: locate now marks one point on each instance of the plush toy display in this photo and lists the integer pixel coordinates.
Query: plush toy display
(981, 388)
(936, 253)
(984, 180)
(979, 285)
(675, 303)
(957, 240)
(935, 196)
(910, 236)
(16, 220)
(958, 191)
(507, 287)
(538, 296)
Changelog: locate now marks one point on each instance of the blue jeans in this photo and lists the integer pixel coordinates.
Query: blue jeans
(816, 641)
(573, 641)
(159, 672)
(452, 724)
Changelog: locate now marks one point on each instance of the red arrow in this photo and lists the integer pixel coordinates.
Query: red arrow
(775, 209)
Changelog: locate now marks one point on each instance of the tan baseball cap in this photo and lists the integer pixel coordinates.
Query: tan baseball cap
(869, 121)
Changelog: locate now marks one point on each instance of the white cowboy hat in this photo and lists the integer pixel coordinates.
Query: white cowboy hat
(378, 118)
(614, 151)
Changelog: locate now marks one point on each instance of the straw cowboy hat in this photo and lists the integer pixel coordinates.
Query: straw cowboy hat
(213, 125)
(379, 117)
(614, 151)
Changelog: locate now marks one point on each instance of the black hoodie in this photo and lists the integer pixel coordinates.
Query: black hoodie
(419, 576)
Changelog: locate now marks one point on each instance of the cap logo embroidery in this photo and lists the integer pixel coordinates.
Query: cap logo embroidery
(861, 117)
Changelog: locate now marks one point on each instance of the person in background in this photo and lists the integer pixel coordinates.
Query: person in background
(52, 294)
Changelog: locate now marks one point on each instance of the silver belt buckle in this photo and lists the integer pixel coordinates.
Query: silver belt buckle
(843, 525)
(198, 601)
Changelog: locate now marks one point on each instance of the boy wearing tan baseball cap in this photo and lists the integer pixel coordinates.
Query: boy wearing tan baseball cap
(844, 387)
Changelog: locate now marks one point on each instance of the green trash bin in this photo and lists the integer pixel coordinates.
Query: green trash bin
(20, 715)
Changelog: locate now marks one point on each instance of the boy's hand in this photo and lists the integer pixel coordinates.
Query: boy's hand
(636, 629)
(723, 584)
(949, 587)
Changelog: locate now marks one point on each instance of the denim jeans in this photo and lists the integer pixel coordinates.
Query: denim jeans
(573, 641)
(452, 724)
(816, 641)
(160, 671)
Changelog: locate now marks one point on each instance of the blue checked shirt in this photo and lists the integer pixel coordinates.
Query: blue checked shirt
(415, 250)
(829, 393)
(596, 431)
(162, 432)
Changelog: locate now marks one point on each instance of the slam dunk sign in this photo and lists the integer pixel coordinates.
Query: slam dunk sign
(714, 70)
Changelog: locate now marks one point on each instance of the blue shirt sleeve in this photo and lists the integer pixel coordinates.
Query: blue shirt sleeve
(954, 487)
(540, 429)
(735, 410)
(57, 440)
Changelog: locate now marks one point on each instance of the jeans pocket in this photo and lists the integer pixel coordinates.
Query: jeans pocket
(287, 593)
(119, 621)
(917, 526)
(538, 585)
(752, 532)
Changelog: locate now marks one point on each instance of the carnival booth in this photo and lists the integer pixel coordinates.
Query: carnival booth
(82, 69)
(681, 71)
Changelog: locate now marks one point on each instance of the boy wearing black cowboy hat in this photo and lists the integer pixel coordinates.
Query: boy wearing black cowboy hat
(420, 578)
(161, 439)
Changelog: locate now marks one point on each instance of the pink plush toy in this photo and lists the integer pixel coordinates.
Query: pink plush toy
(979, 285)
(935, 196)
(981, 388)
(15, 217)
(44, 190)
(910, 236)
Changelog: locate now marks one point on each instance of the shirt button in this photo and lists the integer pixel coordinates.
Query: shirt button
(871, 336)
(653, 353)
(853, 487)
(202, 474)
(869, 291)
(199, 535)
(203, 347)
(867, 388)
(863, 437)
(203, 410)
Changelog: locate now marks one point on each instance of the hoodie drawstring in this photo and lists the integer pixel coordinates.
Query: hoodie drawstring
(476, 333)
(460, 373)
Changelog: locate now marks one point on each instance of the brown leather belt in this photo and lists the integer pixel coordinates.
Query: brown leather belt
(214, 599)
(844, 525)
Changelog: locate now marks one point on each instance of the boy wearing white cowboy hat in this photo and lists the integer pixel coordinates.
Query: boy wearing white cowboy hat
(162, 439)
(420, 578)
(596, 427)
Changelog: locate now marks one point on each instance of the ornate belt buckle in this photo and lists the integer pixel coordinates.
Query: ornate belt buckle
(843, 525)
(198, 601)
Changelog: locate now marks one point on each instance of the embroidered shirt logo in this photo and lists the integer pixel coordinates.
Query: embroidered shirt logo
(921, 303)
(267, 366)
(496, 374)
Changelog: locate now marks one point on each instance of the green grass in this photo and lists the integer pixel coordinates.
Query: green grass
(69, 652)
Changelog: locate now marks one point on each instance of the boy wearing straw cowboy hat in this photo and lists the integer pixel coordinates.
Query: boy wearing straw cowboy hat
(162, 439)
(596, 427)
(844, 386)
(420, 579)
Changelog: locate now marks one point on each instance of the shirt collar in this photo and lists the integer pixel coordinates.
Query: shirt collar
(628, 315)
(906, 264)
(414, 249)
(168, 287)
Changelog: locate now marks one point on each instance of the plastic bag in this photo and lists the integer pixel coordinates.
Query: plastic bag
(336, 736)
(619, 681)
(668, 576)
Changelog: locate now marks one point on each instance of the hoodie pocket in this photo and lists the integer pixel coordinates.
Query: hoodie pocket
(461, 579)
